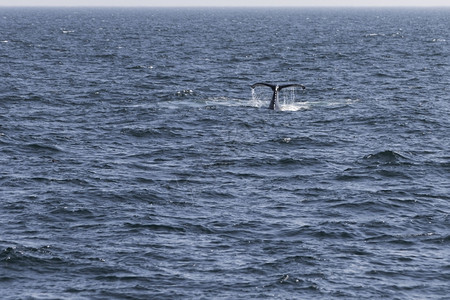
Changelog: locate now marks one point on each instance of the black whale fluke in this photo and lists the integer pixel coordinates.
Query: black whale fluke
(276, 88)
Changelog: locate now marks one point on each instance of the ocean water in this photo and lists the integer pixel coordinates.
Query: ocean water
(135, 162)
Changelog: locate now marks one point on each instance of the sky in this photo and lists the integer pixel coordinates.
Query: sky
(225, 3)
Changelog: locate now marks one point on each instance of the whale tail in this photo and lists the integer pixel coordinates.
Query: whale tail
(276, 88)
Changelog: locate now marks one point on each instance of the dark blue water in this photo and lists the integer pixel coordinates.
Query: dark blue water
(135, 164)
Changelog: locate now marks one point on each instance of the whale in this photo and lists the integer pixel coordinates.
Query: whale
(276, 89)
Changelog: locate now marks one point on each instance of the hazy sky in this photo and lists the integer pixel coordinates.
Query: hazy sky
(225, 3)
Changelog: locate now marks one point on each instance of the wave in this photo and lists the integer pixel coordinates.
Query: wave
(20, 256)
(387, 156)
(43, 147)
(149, 132)
(154, 227)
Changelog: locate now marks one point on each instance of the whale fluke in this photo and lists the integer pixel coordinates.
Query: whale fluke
(276, 88)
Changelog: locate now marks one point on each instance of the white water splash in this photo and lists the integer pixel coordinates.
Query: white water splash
(287, 99)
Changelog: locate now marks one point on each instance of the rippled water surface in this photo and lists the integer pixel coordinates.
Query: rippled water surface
(135, 163)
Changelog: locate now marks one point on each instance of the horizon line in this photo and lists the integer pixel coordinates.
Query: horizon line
(231, 6)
